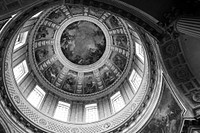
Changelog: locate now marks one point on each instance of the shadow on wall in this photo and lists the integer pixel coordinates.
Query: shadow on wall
(191, 48)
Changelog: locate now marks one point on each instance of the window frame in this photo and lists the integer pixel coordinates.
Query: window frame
(114, 98)
(37, 89)
(23, 65)
(61, 105)
(139, 51)
(95, 112)
(132, 79)
(21, 39)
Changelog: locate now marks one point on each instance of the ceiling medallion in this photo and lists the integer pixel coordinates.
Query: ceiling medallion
(81, 51)
(83, 42)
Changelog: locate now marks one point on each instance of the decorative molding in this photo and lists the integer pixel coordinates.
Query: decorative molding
(126, 118)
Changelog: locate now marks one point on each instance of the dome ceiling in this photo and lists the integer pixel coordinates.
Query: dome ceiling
(81, 50)
(82, 56)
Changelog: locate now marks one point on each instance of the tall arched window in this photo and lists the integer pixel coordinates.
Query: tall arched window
(135, 80)
(36, 96)
(117, 102)
(139, 51)
(62, 111)
(20, 71)
(91, 112)
(21, 39)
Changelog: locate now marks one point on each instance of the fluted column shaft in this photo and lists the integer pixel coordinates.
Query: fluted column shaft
(189, 26)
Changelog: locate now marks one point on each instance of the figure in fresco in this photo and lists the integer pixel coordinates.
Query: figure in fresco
(90, 86)
(83, 43)
(69, 84)
(120, 40)
(108, 78)
(42, 32)
(119, 62)
(167, 118)
(41, 54)
(57, 16)
(96, 12)
(76, 9)
(112, 22)
(51, 74)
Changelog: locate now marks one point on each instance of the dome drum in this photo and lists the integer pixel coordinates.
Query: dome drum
(55, 74)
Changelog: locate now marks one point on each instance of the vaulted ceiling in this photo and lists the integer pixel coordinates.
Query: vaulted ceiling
(180, 53)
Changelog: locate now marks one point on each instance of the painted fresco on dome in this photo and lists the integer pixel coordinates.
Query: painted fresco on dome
(57, 16)
(112, 22)
(45, 33)
(120, 40)
(83, 43)
(107, 75)
(96, 12)
(89, 84)
(75, 10)
(167, 118)
(53, 71)
(118, 60)
(70, 82)
(43, 53)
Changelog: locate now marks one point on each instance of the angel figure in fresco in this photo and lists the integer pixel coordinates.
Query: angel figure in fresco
(51, 74)
(120, 62)
(42, 33)
(41, 54)
(90, 86)
(121, 41)
(114, 22)
(68, 43)
(108, 77)
(69, 83)
(55, 15)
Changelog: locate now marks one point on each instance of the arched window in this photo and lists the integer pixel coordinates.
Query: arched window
(91, 112)
(62, 111)
(20, 71)
(139, 51)
(117, 102)
(135, 80)
(21, 39)
(36, 96)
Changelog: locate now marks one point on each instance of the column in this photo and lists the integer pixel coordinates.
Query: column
(189, 26)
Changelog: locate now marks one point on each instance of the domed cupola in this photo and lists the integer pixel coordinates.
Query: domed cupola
(80, 69)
